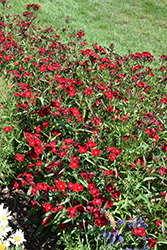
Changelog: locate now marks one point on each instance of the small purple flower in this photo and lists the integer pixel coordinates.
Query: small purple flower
(108, 235)
(139, 222)
(101, 210)
(120, 239)
(120, 222)
(131, 225)
(116, 232)
(146, 248)
(145, 225)
(113, 240)
(104, 233)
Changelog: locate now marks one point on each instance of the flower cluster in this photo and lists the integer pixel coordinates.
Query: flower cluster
(89, 129)
(34, 6)
(126, 233)
(6, 240)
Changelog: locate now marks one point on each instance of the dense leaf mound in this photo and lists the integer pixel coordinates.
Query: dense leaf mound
(88, 134)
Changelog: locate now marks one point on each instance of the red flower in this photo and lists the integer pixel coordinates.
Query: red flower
(34, 6)
(38, 129)
(60, 185)
(39, 164)
(96, 152)
(148, 131)
(158, 223)
(69, 141)
(42, 68)
(70, 185)
(155, 136)
(75, 111)
(164, 100)
(54, 150)
(97, 202)
(112, 157)
(32, 143)
(6, 129)
(72, 212)
(83, 225)
(121, 75)
(38, 150)
(46, 221)
(8, 58)
(78, 187)
(152, 242)
(88, 91)
(139, 231)
(80, 208)
(34, 203)
(19, 158)
(17, 184)
(38, 142)
(102, 66)
(80, 118)
(45, 124)
(62, 226)
(102, 221)
(48, 207)
(140, 84)
(74, 162)
(82, 150)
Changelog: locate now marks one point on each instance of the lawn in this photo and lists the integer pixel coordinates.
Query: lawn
(130, 25)
(83, 116)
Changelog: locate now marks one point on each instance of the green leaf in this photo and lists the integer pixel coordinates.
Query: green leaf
(144, 197)
(85, 184)
(83, 197)
(66, 200)
(45, 232)
(85, 130)
(137, 186)
(162, 242)
(149, 178)
(90, 161)
(39, 231)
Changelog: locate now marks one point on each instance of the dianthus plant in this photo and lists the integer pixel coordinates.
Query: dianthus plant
(89, 133)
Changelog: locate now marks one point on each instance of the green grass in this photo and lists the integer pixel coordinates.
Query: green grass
(135, 25)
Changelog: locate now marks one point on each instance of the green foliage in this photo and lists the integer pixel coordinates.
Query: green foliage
(85, 133)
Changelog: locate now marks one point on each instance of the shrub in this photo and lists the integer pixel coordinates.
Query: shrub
(89, 134)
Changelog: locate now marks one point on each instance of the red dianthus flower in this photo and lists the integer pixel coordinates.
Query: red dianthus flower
(96, 152)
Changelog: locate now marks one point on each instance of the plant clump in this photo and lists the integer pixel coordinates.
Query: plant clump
(87, 135)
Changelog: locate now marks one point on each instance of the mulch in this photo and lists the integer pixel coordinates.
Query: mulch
(20, 208)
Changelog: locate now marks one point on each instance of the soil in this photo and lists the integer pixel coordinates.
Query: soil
(20, 207)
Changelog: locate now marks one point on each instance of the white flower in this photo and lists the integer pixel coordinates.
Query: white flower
(17, 238)
(4, 231)
(4, 244)
(4, 216)
(1, 205)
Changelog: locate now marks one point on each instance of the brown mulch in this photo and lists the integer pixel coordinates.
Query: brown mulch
(20, 207)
